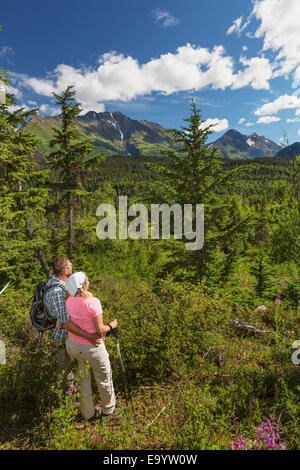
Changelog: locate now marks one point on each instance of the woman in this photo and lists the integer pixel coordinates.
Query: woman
(86, 311)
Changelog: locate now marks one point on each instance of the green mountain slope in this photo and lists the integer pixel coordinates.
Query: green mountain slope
(112, 133)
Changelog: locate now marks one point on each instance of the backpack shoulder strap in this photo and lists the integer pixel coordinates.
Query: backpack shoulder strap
(46, 290)
(51, 287)
(54, 285)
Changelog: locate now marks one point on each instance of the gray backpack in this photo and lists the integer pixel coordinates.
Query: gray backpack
(41, 319)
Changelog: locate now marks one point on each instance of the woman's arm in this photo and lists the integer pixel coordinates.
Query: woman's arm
(100, 327)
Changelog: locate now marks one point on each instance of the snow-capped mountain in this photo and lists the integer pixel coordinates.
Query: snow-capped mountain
(115, 133)
(111, 133)
(235, 145)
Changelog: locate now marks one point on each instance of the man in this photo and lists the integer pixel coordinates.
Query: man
(56, 305)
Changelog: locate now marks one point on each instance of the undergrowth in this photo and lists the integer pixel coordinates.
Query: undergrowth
(194, 383)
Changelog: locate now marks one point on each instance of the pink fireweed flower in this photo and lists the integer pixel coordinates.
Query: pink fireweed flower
(239, 445)
(72, 389)
(267, 438)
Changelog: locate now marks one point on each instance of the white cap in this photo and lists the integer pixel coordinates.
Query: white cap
(75, 282)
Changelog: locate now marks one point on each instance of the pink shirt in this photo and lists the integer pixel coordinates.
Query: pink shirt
(82, 310)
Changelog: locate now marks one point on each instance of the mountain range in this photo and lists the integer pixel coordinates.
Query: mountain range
(111, 133)
(115, 133)
(289, 151)
(235, 145)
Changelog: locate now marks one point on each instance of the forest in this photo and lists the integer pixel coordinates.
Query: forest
(208, 337)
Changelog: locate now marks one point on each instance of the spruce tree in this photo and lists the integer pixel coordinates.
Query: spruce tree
(71, 159)
(193, 174)
(22, 196)
(263, 272)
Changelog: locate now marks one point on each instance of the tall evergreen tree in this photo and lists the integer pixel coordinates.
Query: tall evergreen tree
(71, 159)
(194, 175)
(262, 271)
(22, 196)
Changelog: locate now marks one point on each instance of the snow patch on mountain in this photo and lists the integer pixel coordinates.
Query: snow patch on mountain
(116, 125)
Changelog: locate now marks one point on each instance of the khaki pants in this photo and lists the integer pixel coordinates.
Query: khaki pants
(90, 357)
(64, 366)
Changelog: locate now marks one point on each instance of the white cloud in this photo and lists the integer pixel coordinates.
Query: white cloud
(237, 26)
(283, 102)
(7, 53)
(14, 91)
(9, 89)
(267, 119)
(40, 86)
(16, 107)
(299, 132)
(257, 73)
(122, 78)
(293, 120)
(279, 29)
(218, 124)
(165, 18)
(98, 108)
(47, 110)
(242, 122)
(297, 76)
(6, 50)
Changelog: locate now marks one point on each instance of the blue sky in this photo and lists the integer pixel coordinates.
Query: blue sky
(239, 59)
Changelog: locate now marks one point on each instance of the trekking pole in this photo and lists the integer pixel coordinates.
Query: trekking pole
(5, 287)
(114, 332)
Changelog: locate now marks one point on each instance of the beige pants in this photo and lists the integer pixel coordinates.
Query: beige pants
(90, 357)
(64, 367)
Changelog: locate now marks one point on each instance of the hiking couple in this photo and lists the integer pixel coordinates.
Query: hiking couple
(79, 335)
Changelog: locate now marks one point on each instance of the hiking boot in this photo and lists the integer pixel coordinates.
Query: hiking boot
(114, 415)
(96, 416)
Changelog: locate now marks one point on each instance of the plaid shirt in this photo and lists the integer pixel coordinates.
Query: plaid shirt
(56, 305)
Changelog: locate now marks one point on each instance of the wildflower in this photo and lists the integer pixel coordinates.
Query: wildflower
(240, 445)
(277, 300)
(72, 389)
(267, 438)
